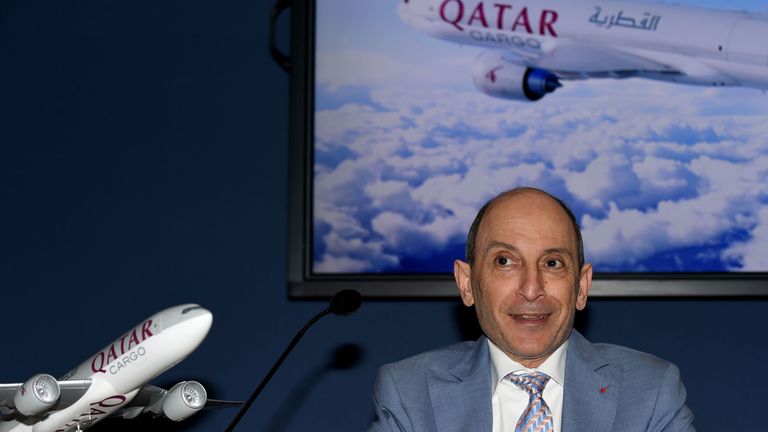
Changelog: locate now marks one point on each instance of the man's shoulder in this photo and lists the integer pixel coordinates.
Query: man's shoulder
(595, 354)
(444, 357)
(650, 394)
(631, 359)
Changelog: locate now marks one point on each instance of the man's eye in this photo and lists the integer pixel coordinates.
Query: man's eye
(553, 263)
(503, 261)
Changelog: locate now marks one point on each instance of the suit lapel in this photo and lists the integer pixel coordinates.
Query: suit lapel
(461, 393)
(592, 388)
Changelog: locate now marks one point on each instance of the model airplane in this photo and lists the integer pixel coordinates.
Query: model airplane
(114, 380)
(535, 44)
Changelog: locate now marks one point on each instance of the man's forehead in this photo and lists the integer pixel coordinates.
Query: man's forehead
(528, 214)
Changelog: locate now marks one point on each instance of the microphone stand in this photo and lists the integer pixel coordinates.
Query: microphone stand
(342, 303)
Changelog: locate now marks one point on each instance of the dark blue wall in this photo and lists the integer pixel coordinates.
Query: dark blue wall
(143, 163)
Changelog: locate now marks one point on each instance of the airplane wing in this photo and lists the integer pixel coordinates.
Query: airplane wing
(576, 60)
(581, 60)
(523, 75)
(71, 390)
(7, 391)
(178, 403)
(151, 400)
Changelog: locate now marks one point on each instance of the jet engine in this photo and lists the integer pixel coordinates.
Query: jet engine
(184, 399)
(37, 395)
(497, 76)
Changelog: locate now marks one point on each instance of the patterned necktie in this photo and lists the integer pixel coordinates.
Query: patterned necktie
(536, 417)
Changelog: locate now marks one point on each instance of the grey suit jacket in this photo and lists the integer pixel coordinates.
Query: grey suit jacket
(449, 390)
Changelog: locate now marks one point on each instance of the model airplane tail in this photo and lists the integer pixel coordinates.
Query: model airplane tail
(114, 380)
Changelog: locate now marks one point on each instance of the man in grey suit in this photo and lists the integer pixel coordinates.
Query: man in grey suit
(525, 275)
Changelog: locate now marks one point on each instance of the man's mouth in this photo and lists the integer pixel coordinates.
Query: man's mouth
(530, 318)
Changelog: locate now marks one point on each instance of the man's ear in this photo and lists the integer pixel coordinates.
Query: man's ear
(462, 273)
(585, 283)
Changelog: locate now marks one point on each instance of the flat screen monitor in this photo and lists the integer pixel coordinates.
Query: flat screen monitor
(649, 119)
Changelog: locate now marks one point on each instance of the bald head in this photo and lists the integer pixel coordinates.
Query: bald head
(517, 192)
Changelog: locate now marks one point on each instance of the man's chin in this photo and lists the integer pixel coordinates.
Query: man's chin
(525, 352)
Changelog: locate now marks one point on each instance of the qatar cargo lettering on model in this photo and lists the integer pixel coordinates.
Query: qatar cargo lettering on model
(110, 403)
(455, 13)
(115, 367)
(118, 348)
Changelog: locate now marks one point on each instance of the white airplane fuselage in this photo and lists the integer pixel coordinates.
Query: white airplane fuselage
(577, 39)
(118, 371)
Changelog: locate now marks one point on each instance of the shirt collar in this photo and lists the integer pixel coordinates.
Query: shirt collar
(502, 365)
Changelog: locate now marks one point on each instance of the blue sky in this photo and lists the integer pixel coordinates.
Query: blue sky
(408, 149)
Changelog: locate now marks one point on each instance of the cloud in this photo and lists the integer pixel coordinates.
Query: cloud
(413, 167)
(749, 255)
(353, 255)
(626, 237)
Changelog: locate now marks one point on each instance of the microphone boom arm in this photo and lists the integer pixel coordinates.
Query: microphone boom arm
(342, 303)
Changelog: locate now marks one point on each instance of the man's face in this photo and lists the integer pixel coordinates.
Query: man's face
(525, 282)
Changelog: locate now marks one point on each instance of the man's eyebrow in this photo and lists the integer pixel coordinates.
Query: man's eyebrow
(563, 251)
(504, 245)
(501, 245)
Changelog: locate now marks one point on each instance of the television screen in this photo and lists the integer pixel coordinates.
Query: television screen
(647, 118)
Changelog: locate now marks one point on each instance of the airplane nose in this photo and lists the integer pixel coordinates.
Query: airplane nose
(196, 320)
(202, 318)
(183, 313)
(193, 311)
(197, 313)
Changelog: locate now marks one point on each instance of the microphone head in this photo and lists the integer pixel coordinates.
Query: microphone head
(345, 302)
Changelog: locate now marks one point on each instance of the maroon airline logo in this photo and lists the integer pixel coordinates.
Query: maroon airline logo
(97, 411)
(121, 346)
(499, 16)
(491, 75)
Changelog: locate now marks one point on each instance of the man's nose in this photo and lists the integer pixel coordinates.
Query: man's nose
(531, 284)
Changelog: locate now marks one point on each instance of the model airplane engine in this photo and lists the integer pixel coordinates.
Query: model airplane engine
(37, 395)
(184, 399)
(498, 77)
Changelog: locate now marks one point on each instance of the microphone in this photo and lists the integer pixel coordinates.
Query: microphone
(343, 303)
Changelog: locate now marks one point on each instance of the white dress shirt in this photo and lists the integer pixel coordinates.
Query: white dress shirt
(509, 401)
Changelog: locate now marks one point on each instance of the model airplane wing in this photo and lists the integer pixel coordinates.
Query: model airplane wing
(12, 395)
(156, 401)
(71, 391)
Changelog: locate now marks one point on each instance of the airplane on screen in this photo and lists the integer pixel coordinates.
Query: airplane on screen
(533, 45)
(113, 382)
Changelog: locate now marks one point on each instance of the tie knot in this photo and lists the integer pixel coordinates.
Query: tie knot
(533, 382)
